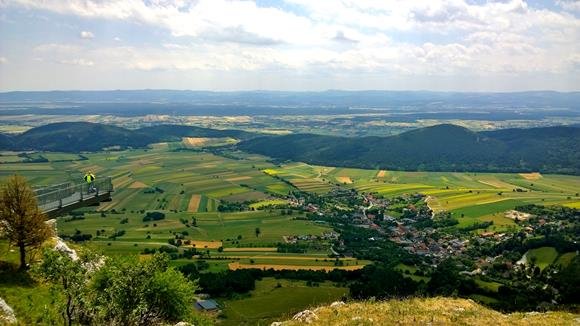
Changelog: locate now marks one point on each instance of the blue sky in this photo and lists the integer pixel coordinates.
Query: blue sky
(460, 45)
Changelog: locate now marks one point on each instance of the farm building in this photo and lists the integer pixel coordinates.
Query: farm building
(206, 305)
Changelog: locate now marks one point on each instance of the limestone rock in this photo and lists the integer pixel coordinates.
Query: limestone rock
(64, 248)
(6, 313)
(183, 323)
(337, 304)
(306, 316)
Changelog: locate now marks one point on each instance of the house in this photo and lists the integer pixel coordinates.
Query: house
(206, 305)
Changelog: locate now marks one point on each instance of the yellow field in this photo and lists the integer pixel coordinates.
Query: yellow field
(205, 244)
(236, 266)
(239, 178)
(531, 176)
(277, 257)
(138, 185)
(194, 141)
(194, 203)
(343, 179)
(573, 205)
(266, 249)
(270, 171)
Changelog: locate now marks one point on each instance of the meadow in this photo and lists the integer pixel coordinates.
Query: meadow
(277, 300)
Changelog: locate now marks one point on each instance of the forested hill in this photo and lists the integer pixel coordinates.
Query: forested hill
(85, 136)
(438, 148)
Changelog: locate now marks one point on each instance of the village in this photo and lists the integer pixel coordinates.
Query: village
(408, 221)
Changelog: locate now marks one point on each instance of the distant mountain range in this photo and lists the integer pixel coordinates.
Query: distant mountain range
(329, 97)
(520, 105)
(439, 148)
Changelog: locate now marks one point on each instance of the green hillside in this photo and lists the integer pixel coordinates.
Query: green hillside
(438, 148)
(85, 136)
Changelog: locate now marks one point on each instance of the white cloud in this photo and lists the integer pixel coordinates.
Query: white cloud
(570, 5)
(411, 37)
(77, 62)
(3, 60)
(86, 35)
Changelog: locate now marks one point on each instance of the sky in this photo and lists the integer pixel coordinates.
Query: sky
(451, 45)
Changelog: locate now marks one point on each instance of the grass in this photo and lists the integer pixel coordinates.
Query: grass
(270, 302)
(430, 311)
(29, 299)
(542, 257)
(490, 286)
(409, 270)
(566, 259)
(230, 230)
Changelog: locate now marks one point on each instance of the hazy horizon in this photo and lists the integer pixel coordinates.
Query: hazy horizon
(285, 91)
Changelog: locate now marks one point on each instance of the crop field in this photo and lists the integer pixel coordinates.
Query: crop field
(278, 300)
(470, 197)
(233, 232)
(161, 178)
(192, 183)
(197, 142)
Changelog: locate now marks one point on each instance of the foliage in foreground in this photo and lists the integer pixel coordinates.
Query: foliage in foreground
(93, 290)
(21, 221)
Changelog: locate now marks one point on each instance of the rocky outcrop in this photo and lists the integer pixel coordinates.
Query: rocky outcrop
(6, 313)
(423, 311)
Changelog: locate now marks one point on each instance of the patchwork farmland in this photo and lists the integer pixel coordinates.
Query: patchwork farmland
(192, 183)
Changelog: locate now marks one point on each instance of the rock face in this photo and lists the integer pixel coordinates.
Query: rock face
(6, 313)
(306, 316)
(336, 304)
(64, 248)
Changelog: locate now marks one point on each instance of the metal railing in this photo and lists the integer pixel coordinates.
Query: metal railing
(58, 196)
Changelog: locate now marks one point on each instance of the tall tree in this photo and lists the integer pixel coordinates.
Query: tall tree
(20, 217)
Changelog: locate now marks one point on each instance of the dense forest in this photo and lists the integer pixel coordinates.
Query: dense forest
(438, 148)
(86, 136)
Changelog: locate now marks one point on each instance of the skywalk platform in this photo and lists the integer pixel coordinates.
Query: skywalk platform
(60, 199)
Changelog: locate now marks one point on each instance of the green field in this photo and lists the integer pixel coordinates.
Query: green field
(193, 183)
(470, 197)
(184, 184)
(160, 178)
(409, 271)
(542, 257)
(275, 300)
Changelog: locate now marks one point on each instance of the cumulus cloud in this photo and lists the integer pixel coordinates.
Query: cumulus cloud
(570, 5)
(87, 35)
(411, 37)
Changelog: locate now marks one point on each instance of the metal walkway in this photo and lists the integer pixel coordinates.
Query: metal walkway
(62, 198)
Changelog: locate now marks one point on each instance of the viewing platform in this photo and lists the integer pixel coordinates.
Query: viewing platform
(60, 199)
